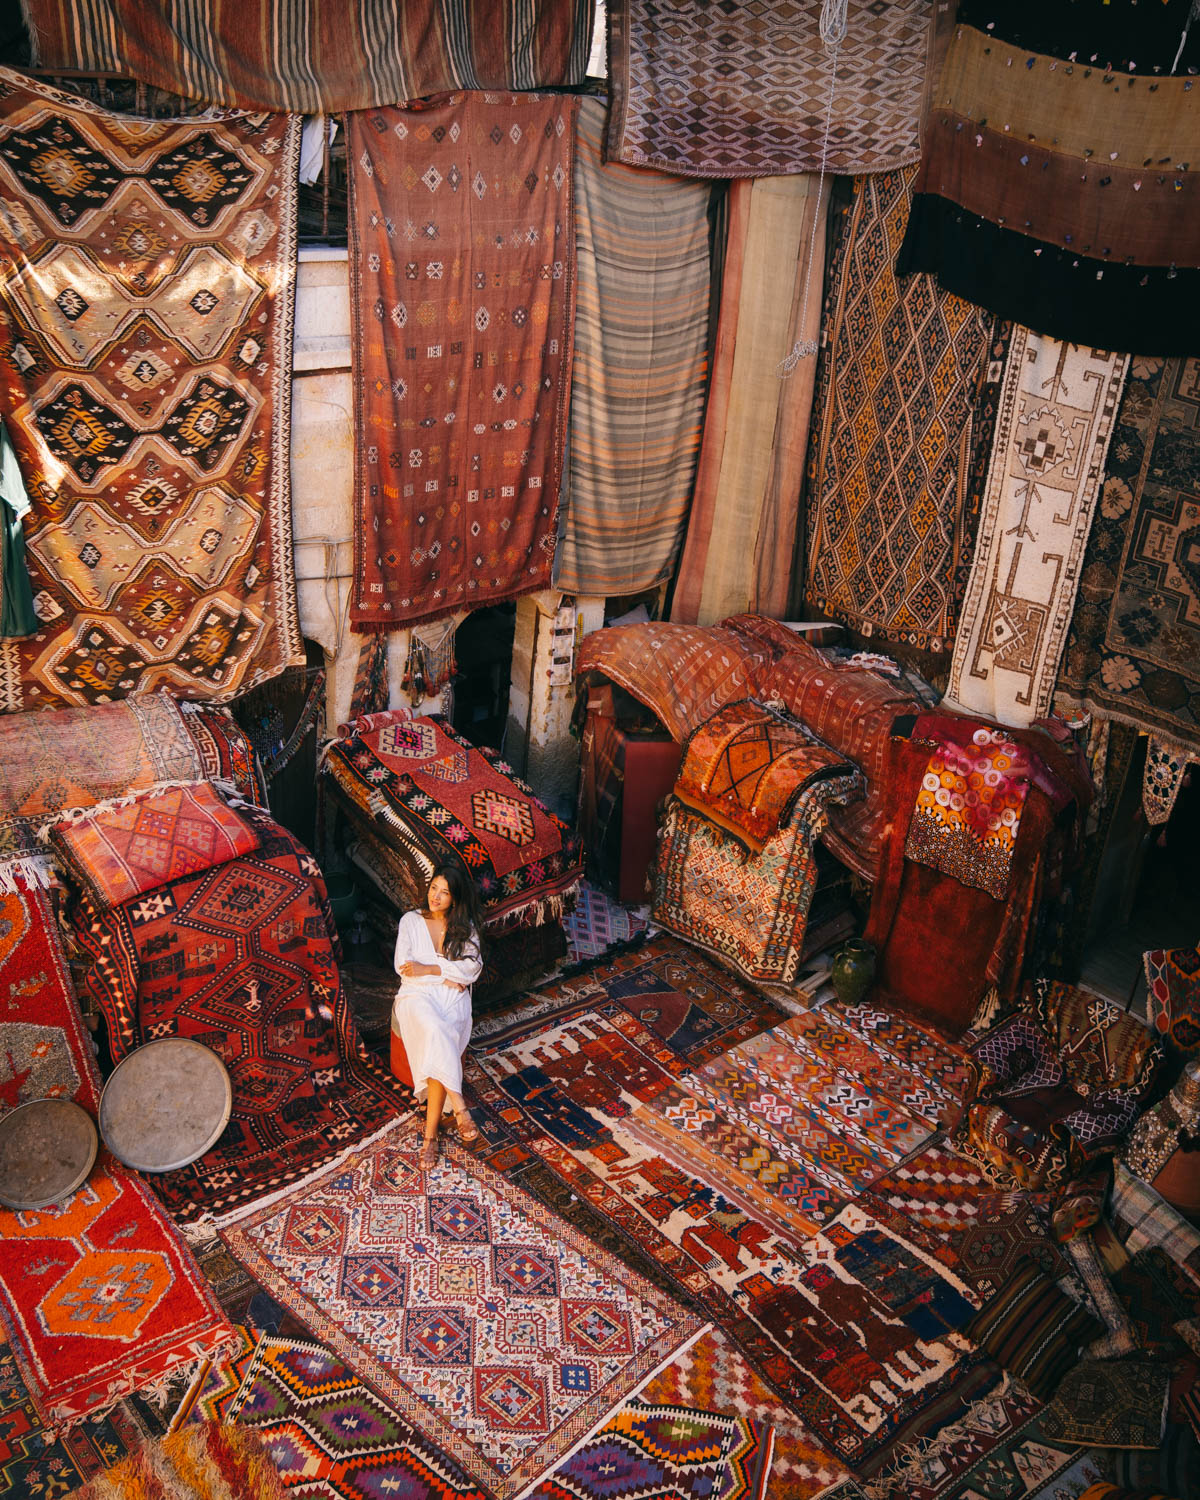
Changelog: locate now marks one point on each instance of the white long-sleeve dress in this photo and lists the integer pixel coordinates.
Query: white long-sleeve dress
(431, 1015)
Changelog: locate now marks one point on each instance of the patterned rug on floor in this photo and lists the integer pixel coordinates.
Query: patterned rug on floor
(790, 1107)
(326, 1432)
(98, 1294)
(598, 923)
(996, 1448)
(566, 1086)
(712, 1375)
(481, 1318)
(668, 1453)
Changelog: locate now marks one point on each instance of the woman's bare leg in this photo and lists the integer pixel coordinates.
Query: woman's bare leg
(434, 1103)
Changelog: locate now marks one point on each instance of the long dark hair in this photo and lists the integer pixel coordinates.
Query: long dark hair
(462, 920)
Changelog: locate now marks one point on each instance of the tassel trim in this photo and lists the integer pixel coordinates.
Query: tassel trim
(33, 869)
(72, 816)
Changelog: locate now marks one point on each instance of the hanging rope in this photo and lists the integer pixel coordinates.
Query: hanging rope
(833, 24)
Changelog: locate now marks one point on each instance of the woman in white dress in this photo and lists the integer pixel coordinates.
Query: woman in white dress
(437, 958)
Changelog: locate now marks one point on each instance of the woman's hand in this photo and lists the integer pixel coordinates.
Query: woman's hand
(413, 970)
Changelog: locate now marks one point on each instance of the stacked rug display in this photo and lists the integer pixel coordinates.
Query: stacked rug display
(413, 793)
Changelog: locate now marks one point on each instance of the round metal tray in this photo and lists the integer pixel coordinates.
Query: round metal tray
(165, 1105)
(47, 1148)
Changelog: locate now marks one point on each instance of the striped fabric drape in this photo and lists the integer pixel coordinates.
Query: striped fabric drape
(314, 55)
(641, 322)
(742, 528)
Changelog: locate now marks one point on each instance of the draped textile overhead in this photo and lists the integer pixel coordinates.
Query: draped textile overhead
(462, 271)
(316, 55)
(741, 531)
(146, 292)
(906, 408)
(1133, 650)
(743, 90)
(641, 331)
(1052, 436)
(1058, 194)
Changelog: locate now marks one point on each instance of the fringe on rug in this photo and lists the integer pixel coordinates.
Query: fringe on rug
(112, 804)
(34, 870)
(914, 1457)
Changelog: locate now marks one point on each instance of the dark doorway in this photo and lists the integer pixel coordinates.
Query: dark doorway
(483, 650)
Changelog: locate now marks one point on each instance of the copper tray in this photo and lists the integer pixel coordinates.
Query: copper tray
(47, 1148)
(165, 1104)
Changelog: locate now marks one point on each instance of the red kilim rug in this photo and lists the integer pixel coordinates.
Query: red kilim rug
(99, 1295)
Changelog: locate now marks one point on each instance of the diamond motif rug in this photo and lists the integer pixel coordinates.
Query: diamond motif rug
(568, 1087)
(325, 1431)
(480, 1317)
(905, 408)
(442, 798)
(743, 90)
(669, 1452)
(1133, 651)
(711, 1375)
(101, 1297)
(1056, 417)
(147, 377)
(462, 295)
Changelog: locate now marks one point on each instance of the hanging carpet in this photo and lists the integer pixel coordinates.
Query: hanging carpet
(1053, 188)
(98, 1294)
(742, 525)
(307, 57)
(147, 285)
(241, 957)
(479, 1316)
(1133, 650)
(462, 276)
(438, 797)
(641, 357)
(1052, 438)
(906, 407)
(743, 91)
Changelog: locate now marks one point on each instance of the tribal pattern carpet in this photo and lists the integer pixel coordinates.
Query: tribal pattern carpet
(250, 971)
(435, 796)
(905, 410)
(324, 1430)
(806, 1311)
(668, 1452)
(317, 60)
(744, 768)
(147, 288)
(100, 1297)
(69, 758)
(1052, 436)
(207, 1462)
(478, 1316)
(743, 91)
(638, 377)
(40, 1461)
(121, 852)
(711, 1375)
(462, 294)
(751, 912)
(1133, 650)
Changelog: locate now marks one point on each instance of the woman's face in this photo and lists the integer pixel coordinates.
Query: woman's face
(439, 897)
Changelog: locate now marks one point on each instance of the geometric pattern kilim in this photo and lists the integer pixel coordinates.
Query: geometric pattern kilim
(326, 1432)
(515, 1339)
(145, 366)
(240, 959)
(905, 407)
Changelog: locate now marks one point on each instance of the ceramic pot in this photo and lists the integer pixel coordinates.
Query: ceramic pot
(853, 970)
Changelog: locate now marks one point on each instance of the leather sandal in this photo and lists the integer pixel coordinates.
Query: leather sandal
(429, 1153)
(468, 1134)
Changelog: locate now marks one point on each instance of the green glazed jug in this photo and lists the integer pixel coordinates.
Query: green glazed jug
(853, 970)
